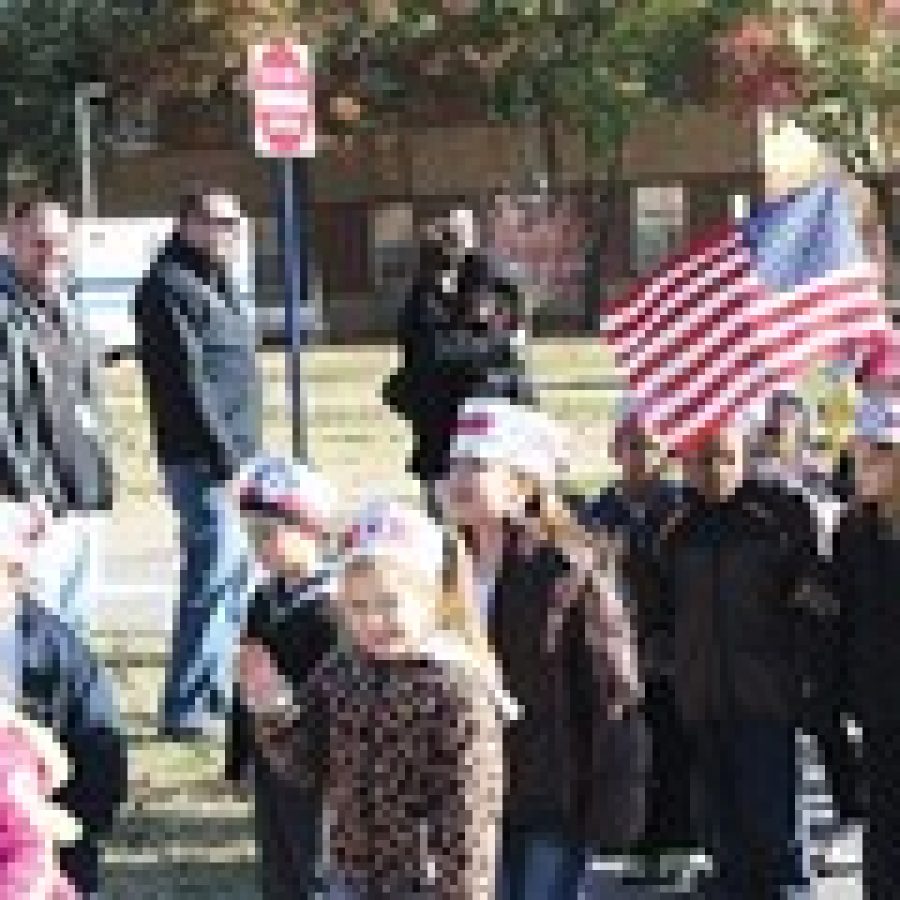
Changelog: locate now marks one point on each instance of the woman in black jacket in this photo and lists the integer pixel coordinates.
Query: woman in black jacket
(557, 625)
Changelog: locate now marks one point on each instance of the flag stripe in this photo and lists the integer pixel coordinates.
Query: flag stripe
(797, 339)
(761, 327)
(668, 298)
(742, 311)
(642, 299)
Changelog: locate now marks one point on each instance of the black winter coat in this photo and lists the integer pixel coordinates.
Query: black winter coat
(197, 344)
(449, 357)
(738, 597)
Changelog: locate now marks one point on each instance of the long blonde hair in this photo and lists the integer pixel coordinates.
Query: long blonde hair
(457, 610)
(552, 521)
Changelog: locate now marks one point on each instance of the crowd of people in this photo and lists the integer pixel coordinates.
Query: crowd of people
(475, 698)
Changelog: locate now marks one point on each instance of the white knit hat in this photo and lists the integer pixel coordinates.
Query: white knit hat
(525, 439)
(388, 529)
(878, 418)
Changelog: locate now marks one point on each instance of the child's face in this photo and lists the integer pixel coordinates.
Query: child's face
(388, 609)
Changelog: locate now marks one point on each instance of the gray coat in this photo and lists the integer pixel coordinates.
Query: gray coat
(52, 440)
(196, 340)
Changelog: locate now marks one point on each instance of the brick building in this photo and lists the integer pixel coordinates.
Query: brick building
(369, 198)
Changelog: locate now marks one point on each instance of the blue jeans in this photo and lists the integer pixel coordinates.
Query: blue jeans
(749, 811)
(338, 888)
(539, 866)
(215, 585)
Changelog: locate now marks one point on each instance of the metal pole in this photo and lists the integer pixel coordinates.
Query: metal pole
(83, 124)
(84, 94)
(293, 207)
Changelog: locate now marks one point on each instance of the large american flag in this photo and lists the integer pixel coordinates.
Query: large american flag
(742, 311)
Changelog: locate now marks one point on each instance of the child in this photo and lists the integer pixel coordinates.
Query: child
(288, 513)
(562, 638)
(403, 725)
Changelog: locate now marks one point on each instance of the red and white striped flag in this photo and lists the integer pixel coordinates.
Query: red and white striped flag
(742, 312)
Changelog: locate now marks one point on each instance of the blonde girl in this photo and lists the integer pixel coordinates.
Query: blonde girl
(403, 725)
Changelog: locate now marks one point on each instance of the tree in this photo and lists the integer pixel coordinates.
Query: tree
(835, 74)
(596, 64)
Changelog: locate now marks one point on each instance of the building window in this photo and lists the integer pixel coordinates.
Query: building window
(739, 206)
(391, 246)
(657, 224)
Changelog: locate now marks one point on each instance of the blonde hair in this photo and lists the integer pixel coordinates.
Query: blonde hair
(457, 611)
(553, 522)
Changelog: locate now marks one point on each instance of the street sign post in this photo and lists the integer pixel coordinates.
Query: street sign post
(282, 82)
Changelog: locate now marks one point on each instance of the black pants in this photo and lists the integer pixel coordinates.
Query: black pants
(289, 834)
(881, 848)
(669, 806)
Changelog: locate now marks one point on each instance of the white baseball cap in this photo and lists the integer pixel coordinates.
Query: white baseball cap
(281, 487)
(522, 438)
(382, 528)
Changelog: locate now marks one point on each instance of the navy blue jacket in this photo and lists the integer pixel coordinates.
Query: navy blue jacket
(65, 689)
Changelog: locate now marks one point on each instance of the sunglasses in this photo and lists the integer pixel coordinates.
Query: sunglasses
(229, 224)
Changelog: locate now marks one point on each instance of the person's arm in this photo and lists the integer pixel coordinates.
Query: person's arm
(837, 695)
(610, 639)
(290, 722)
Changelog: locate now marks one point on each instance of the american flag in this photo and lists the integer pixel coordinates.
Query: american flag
(743, 311)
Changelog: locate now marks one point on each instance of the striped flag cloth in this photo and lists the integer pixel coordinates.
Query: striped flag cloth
(741, 312)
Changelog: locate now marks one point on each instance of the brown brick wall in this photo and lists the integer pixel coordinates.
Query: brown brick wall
(437, 166)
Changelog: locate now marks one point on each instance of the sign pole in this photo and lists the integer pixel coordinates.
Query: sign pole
(293, 231)
(281, 77)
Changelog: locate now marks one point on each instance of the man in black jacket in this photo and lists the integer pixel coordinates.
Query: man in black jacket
(52, 455)
(866, 571)
(735, 583)
(196, 339)
(458, 332)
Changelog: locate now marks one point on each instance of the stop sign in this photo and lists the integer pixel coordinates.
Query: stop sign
(280, 77)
